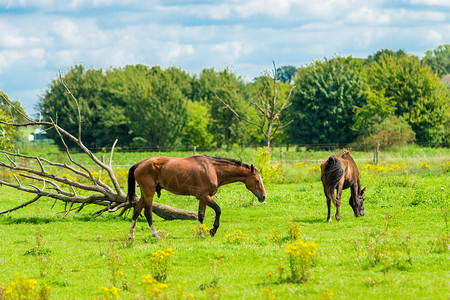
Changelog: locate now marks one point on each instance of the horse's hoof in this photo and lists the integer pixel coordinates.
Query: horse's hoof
(212, 232)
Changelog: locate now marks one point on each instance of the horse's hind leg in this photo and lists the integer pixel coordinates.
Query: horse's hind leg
(338, 202)
(201, 211)
(136, 213)
(329, 209)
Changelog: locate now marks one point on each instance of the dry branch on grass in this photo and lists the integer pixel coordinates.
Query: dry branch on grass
(66, 189)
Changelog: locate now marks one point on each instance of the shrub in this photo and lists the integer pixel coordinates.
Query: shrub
(271, 172)
(391, 131)
(26, 288)
(159, 263)
(300, 255)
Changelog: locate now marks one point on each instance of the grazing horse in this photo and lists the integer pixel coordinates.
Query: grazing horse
(198, 175)
(341, 173)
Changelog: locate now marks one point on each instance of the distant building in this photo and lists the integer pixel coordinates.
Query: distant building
(38, 135)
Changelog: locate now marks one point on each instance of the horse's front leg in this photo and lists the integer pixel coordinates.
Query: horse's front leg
(148, 216)
(208, 201)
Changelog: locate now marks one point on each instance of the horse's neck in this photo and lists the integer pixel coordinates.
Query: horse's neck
(230, 174)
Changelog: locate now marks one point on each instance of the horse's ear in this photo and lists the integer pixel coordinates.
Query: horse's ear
(252, 168)
(363, 190)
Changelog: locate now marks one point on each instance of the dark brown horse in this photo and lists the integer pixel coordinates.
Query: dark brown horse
(198, 175)
(340, 173)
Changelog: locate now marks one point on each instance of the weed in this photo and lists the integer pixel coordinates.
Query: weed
(388, 248)
(200, 231)
(181, 293)
(268, 294)
(110, 293)
(114, 263)
(300, 255)
(294, 231)
(237, 237)
(215, 267)
(153, 287)
(159, 263)
(26, 288)
(275, 237)
(442, 242)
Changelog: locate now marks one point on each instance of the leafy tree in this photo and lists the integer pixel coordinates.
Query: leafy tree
(86, 86)
(225, 128)
(10, 111)
(286, 73)
(419, 96)
(377, 55)
(196, 130)
(392, 131)
(438, 59)
(374, 111)
(156, 106)
(270, 101)
(322, 104)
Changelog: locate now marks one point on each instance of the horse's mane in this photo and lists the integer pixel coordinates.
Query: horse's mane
(229, 161)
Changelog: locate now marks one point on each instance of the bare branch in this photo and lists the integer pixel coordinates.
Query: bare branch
(64, 189)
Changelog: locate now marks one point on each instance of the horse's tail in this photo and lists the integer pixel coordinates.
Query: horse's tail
(131, 183)
(333, 173)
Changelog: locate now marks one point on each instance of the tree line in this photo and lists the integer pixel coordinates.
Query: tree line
(387, 98)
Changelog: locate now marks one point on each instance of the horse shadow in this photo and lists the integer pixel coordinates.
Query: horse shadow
(309, 220)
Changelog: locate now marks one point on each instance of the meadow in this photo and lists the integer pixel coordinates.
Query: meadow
(281, 250)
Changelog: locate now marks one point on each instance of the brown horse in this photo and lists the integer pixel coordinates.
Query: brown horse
(341, 173)
(198, 175)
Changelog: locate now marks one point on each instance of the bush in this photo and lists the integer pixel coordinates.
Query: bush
(271, 172)
(391, 131)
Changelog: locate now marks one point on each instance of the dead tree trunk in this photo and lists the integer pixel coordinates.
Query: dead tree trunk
(67, 189)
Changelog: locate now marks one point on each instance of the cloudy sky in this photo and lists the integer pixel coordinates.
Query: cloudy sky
(40, 37)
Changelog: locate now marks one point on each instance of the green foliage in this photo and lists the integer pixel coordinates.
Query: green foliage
(374, 111)
(392, 131)
(326, 92)
(418, 94)
(270, 172)
(8, 134)
(225, 127)
(196, 130)
(438, 59)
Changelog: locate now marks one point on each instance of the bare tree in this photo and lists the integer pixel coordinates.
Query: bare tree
(268, 109)
(67, 189)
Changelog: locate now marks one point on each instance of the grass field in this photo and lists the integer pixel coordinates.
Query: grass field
(399, 249)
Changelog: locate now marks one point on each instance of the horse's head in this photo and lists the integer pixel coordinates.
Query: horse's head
(358, 207)
(254, 184)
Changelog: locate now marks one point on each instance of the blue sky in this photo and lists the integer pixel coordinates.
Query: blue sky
(40, 37)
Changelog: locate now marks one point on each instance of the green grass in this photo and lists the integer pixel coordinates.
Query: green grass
(76, 248)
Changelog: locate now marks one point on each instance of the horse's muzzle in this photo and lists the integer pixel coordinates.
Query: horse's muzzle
(262, 198)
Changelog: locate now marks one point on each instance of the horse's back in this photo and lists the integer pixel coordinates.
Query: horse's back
(188, 176)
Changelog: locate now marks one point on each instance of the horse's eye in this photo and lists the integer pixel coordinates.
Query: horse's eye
(256, 181)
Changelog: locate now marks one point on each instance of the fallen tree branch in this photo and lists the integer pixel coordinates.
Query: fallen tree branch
(65, 188)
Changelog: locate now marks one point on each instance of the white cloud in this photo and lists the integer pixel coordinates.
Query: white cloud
(48, 35)
(10, 36)
(430, 2)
